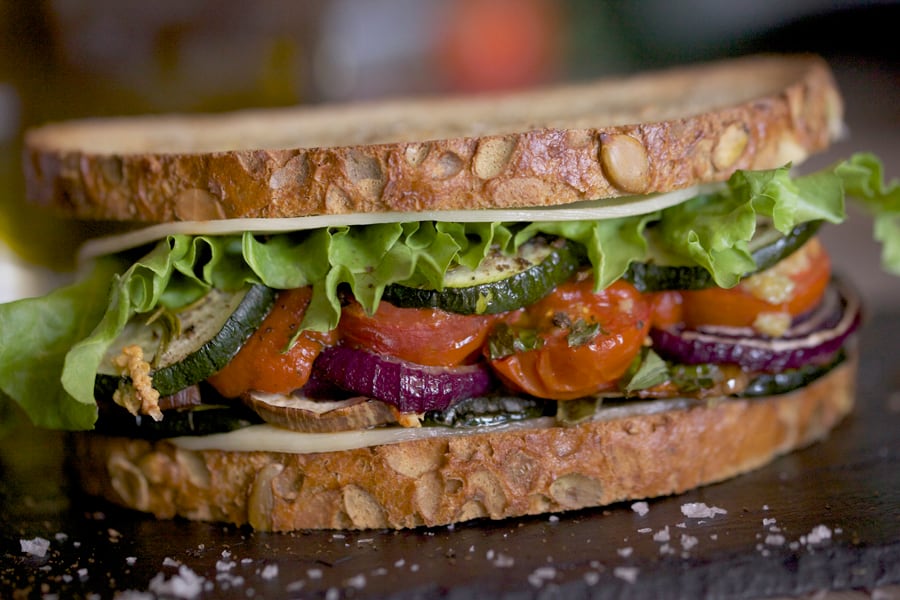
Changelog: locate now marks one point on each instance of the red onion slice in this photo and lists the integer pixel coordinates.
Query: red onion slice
(815, 336)
(408, 386)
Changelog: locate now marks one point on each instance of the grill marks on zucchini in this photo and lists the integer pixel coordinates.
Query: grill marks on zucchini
(500, 283)
(212, 330)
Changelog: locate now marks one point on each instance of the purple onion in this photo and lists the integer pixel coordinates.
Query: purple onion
(814, 337)
(408, 386)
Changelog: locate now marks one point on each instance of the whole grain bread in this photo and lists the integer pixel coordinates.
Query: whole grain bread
(649, 133)
(447, 480)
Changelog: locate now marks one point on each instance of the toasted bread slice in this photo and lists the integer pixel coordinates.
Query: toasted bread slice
(485, 474)
(649, 133)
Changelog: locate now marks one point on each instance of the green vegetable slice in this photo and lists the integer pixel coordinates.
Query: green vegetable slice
(500, 283)
(212, 330)
(665, 272)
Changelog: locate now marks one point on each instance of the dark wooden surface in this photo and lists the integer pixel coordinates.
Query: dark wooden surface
(766, 544)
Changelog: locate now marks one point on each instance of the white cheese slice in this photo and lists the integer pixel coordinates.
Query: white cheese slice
(267, 438)
(587, 210)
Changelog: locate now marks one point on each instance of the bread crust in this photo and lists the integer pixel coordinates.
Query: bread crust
(649, 133)
(447, 480)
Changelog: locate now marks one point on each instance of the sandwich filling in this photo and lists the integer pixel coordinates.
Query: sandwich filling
(448, 323)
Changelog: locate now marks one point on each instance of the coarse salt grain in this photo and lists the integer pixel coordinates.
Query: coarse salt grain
(625, 552)
(269, 571)
(592, 578)
(662, 535)
(775, 540)
(185, 584)
(540, 575)
(37, 546)
(357, 582)
(819, 534)
(504, 561)
(699, 510)
(688, 541)
(641, 508)
(629, 574)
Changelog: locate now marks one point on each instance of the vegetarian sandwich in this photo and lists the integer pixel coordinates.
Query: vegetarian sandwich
(417, 312)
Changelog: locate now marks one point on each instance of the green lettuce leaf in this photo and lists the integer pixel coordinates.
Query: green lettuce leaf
(713, 230)
(863, 179)
(36, 335)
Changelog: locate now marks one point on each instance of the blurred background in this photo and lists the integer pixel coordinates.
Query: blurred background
(73, 58)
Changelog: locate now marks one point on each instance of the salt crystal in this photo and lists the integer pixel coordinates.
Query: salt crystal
(662, 535)
(540, 575)
(699, 510)
(767, 522)
(629, 574)
(625, 552)
(295, 586)
(688, 541)
(553, 519)
(775, 540)
(35, 547)
(641, 508)
(170, 562)
(314, 573)
(592, 578)
(357, 581)
(225, 565)
(61, 537)
(504, 561)
(269, 571)
(130, 560)
(645, 530)
(185, 584)
(820, 533)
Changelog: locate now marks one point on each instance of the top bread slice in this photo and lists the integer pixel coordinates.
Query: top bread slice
(654, 132)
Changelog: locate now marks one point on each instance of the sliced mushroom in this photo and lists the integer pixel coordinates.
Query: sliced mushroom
(299, 413)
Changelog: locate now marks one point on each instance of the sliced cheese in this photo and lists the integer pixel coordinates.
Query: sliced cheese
(268, 438)
(588, 210)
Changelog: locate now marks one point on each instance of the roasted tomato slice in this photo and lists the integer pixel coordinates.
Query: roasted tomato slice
(768, 300)
(427, 336)
(572, 343)
(263, 363)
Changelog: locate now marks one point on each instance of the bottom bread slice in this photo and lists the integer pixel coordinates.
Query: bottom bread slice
(452, 479)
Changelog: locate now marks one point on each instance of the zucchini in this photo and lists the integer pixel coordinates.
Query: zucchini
(663, 272)
(500, 283)
(771, 384)
(485, 411)
(203, 420)
(209, 333)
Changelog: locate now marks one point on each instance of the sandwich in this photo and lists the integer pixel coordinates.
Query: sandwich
(416, 312)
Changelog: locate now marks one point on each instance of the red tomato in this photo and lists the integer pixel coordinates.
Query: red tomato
(665, 308)
(793, 286)
(262, 363)
(426, 336)
(588, 340)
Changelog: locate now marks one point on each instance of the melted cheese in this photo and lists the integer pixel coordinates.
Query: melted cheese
(588, 210)
(267, 438)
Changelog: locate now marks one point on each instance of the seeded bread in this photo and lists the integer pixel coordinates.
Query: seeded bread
(441, 481)
(648, 133)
